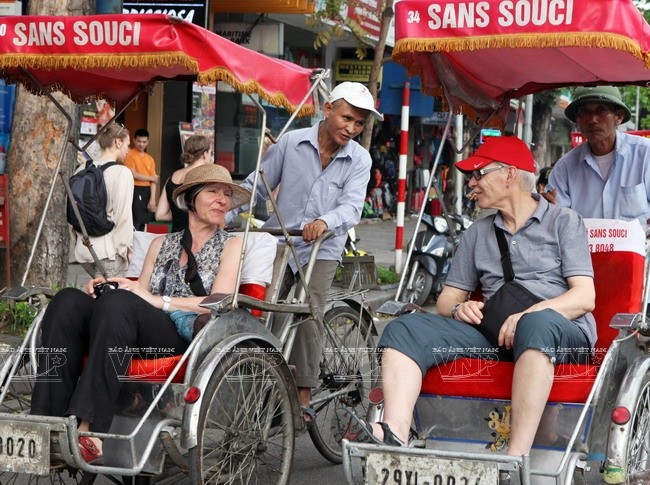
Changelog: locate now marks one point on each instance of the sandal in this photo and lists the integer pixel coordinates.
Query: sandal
(89, 451)
(354, 428)
(308, 414)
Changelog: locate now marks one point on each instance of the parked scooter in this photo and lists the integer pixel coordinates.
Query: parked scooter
(431, 258)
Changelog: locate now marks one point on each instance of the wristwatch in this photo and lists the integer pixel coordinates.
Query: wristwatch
(167, 301)
(455, 310)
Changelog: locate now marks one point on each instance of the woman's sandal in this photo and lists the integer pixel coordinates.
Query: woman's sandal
(354, 428)
(89, 451)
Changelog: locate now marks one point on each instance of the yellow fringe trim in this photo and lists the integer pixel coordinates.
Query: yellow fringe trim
(601, 40)
(135, 61)
(253, 87)
(98, 61)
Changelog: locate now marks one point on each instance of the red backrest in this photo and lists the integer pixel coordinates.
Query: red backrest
(618, 278)
(617, 254)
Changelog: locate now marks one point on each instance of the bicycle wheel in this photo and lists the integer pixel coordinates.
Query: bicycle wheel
(349, 370)
(58, 476)
(19, 390)
(245, 430)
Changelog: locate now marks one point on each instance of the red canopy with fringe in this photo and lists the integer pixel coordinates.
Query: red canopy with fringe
(486, 52)
(114, 56)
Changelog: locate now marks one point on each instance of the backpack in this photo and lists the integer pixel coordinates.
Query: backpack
(89, 191)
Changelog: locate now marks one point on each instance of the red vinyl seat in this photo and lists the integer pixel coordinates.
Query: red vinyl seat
(618, 280)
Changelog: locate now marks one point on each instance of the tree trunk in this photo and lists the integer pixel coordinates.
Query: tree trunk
(386, 16)
(541, 125)
(37, 138)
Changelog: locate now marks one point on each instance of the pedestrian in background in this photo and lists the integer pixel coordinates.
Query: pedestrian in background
(145, 180)
(197, 151)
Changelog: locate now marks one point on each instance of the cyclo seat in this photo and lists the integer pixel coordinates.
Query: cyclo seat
(617, 254)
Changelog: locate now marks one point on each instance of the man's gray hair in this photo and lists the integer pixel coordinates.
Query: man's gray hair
(528, 180)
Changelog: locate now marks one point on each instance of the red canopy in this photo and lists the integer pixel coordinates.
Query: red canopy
(486, 52)
(114, 56)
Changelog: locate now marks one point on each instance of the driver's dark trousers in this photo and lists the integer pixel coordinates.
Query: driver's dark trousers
(110, 330)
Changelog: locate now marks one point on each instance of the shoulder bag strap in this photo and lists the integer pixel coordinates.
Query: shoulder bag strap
(506, 262)
(192, 274)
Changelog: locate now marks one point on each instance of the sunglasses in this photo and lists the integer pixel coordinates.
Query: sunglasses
(478, 174)
(117, 135)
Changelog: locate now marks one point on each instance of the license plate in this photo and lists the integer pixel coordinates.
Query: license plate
(392, 469)
(25, 448)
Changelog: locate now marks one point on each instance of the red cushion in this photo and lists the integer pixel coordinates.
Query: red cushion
(158, 227)
(253, 290)
(618, 279)
(156, 370)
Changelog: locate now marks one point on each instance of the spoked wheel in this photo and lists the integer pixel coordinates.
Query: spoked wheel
(637, 456)
(349, 370)
(19, 389)
(60, 476)
(245, 430)
(421, 288)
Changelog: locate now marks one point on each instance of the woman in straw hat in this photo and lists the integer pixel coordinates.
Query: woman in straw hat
(156, 311)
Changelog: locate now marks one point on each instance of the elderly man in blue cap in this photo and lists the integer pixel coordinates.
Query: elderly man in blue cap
(609, 175)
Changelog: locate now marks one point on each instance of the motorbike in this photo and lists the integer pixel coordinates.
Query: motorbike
(431, 258)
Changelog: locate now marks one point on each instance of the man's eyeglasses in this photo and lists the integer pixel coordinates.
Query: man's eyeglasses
(478, 174)
(117, 135)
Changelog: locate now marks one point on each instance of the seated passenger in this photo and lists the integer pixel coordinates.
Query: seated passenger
(550, 257)
(138, 314)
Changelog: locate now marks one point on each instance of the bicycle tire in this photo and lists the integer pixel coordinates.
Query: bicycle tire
(349, 370)
(246, 431)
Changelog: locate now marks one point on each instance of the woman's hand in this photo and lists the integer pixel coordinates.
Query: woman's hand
(90, 286)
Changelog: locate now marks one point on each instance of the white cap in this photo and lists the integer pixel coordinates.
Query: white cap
(357, 95)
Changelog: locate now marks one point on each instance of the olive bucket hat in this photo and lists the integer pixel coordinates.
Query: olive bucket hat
(596, 94)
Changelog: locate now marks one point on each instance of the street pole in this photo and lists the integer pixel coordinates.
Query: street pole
(401, 180)
(458, 176)
(528, 120)
(636, 112)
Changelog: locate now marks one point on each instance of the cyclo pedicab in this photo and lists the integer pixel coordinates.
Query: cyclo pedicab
(598, 414)
(226, 411)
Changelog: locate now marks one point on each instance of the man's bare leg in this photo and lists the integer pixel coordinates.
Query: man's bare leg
(402, 381)
(531, 385)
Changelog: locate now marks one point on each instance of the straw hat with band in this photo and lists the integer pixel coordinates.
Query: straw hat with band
(596, 94)
(211, 174)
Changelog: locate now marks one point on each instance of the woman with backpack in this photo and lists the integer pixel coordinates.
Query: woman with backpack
(197, 151)
(112, 245)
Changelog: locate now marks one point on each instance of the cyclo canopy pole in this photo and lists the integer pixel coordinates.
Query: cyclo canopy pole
(401, 181)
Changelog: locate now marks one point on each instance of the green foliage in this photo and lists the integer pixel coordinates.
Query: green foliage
(386, 276)
(16, 318)
(629, 94)
(331, 21)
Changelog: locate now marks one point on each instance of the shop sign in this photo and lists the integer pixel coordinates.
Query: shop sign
(358, 71)
(10, 7)
(266, 38)
(367, 13)
(438, 118)
(193, 11)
